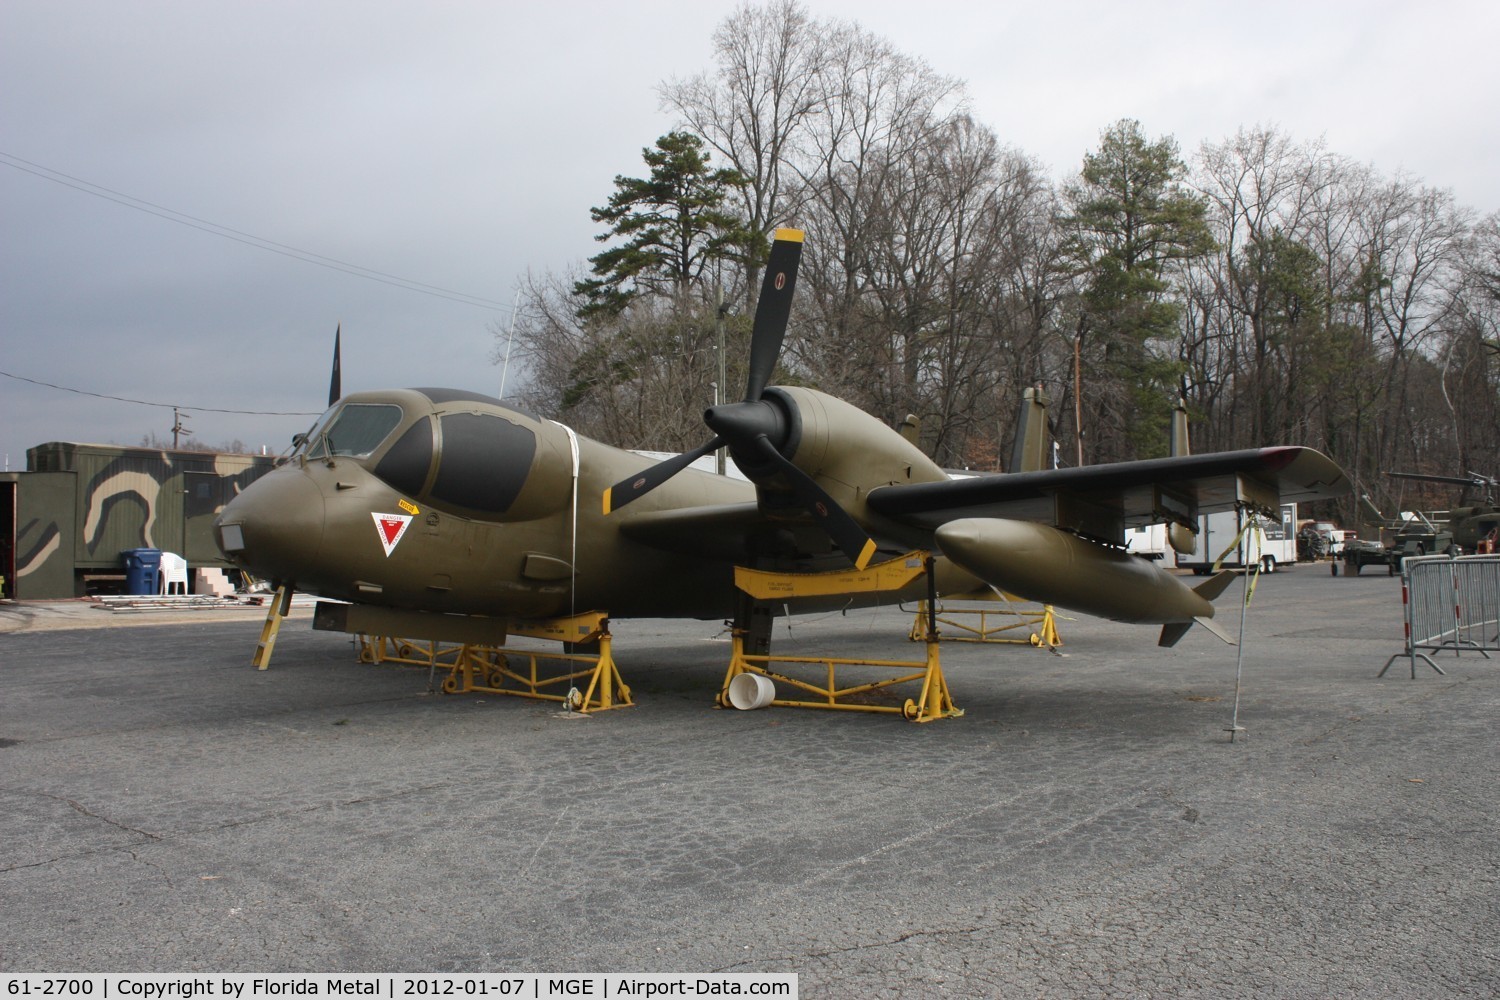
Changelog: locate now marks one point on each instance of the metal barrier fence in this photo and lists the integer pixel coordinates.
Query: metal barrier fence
(1450, 605)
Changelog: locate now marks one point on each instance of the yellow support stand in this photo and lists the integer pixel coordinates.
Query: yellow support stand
(934, 700)
(486, 669)
(412, 652)
(1041, 625)
(281, 606)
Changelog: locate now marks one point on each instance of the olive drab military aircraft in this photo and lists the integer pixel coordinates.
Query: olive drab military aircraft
(455, 504)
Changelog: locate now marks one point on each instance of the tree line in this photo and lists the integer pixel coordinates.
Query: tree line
(1286, 293)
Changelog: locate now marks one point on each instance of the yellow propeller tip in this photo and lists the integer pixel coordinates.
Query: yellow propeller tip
(789, 235)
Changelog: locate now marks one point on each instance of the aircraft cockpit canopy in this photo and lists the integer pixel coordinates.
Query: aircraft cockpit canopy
(470, 453)
(353, 430)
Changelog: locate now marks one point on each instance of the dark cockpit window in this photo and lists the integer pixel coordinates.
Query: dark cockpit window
(485, 461)
(356, 431)
(405, 464)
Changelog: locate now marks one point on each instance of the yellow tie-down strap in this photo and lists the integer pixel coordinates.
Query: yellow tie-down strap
(890, 575)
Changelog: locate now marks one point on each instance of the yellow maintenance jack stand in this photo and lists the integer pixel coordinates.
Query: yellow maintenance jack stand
(750, 681)
(412, 652)
(993, 623)
(491, 669)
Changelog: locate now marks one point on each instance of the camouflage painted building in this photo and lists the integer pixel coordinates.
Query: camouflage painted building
(65, 521)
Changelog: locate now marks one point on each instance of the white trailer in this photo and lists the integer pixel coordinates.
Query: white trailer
(1221, 534)
(1149, 542)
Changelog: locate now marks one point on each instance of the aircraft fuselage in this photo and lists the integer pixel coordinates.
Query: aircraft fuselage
(470, 507)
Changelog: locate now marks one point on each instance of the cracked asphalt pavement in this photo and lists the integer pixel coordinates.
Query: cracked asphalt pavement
(1086, 828)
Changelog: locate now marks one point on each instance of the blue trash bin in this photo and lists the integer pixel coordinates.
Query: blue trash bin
(142, 571)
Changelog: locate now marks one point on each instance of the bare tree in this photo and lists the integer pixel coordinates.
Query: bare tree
(881, 113)
(640, 379)
(1470, 358)
(754, 105)
(1415, 238)
(944, 273)
(1261, 187)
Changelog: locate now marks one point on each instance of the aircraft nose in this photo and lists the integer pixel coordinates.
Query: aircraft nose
(275, 528)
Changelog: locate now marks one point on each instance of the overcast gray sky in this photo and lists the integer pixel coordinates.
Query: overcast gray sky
(458, 145)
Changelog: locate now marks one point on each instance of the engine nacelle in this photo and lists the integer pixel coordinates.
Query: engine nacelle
(848, 451)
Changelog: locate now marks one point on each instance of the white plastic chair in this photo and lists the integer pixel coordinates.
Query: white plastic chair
(174, 578)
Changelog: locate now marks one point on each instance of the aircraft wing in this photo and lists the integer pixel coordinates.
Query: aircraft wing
(1103, 500)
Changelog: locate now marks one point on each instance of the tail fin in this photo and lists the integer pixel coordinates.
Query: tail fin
(1181, 537)
(1209, 590)
(1179, 435)
(1176, 630)
(1215, 585)
(1030, 452)
(911, 429)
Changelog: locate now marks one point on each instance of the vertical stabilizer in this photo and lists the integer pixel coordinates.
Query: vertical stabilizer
(1181, 537)
(911, 429)
(1179, 442)
(1031, 453)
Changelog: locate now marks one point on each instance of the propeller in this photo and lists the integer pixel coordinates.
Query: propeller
(756, 429)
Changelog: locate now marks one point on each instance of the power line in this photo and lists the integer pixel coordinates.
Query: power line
(239, 236)
(164, 406)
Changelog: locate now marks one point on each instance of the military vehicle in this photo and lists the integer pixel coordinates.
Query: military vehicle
(1362, 552)
(1474, 523)
(442, 506)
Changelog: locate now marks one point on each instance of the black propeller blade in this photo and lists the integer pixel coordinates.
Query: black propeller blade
(827, 514)
(751, 428)
(772, 313)
(773, 310)
(622, 493)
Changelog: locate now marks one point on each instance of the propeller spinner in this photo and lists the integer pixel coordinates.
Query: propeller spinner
(755, 429)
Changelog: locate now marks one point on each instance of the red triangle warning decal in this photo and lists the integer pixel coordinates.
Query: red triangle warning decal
(390, 527)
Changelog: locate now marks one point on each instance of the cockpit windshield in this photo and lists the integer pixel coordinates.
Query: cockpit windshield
(355, 430)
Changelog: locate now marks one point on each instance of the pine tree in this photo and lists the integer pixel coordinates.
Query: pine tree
(1132, 221)
(675, 227)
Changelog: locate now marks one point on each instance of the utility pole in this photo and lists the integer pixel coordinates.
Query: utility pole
(1078, 392)
(719, 340)
(178, 429)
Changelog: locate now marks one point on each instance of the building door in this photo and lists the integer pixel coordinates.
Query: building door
(205, 496)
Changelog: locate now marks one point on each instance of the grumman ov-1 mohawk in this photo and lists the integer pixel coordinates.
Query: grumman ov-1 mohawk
(446, 507)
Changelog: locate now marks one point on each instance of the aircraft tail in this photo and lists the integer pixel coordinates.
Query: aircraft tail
(1209, 590)
(1030, 452)
(1215, 585)
(1179, 433)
